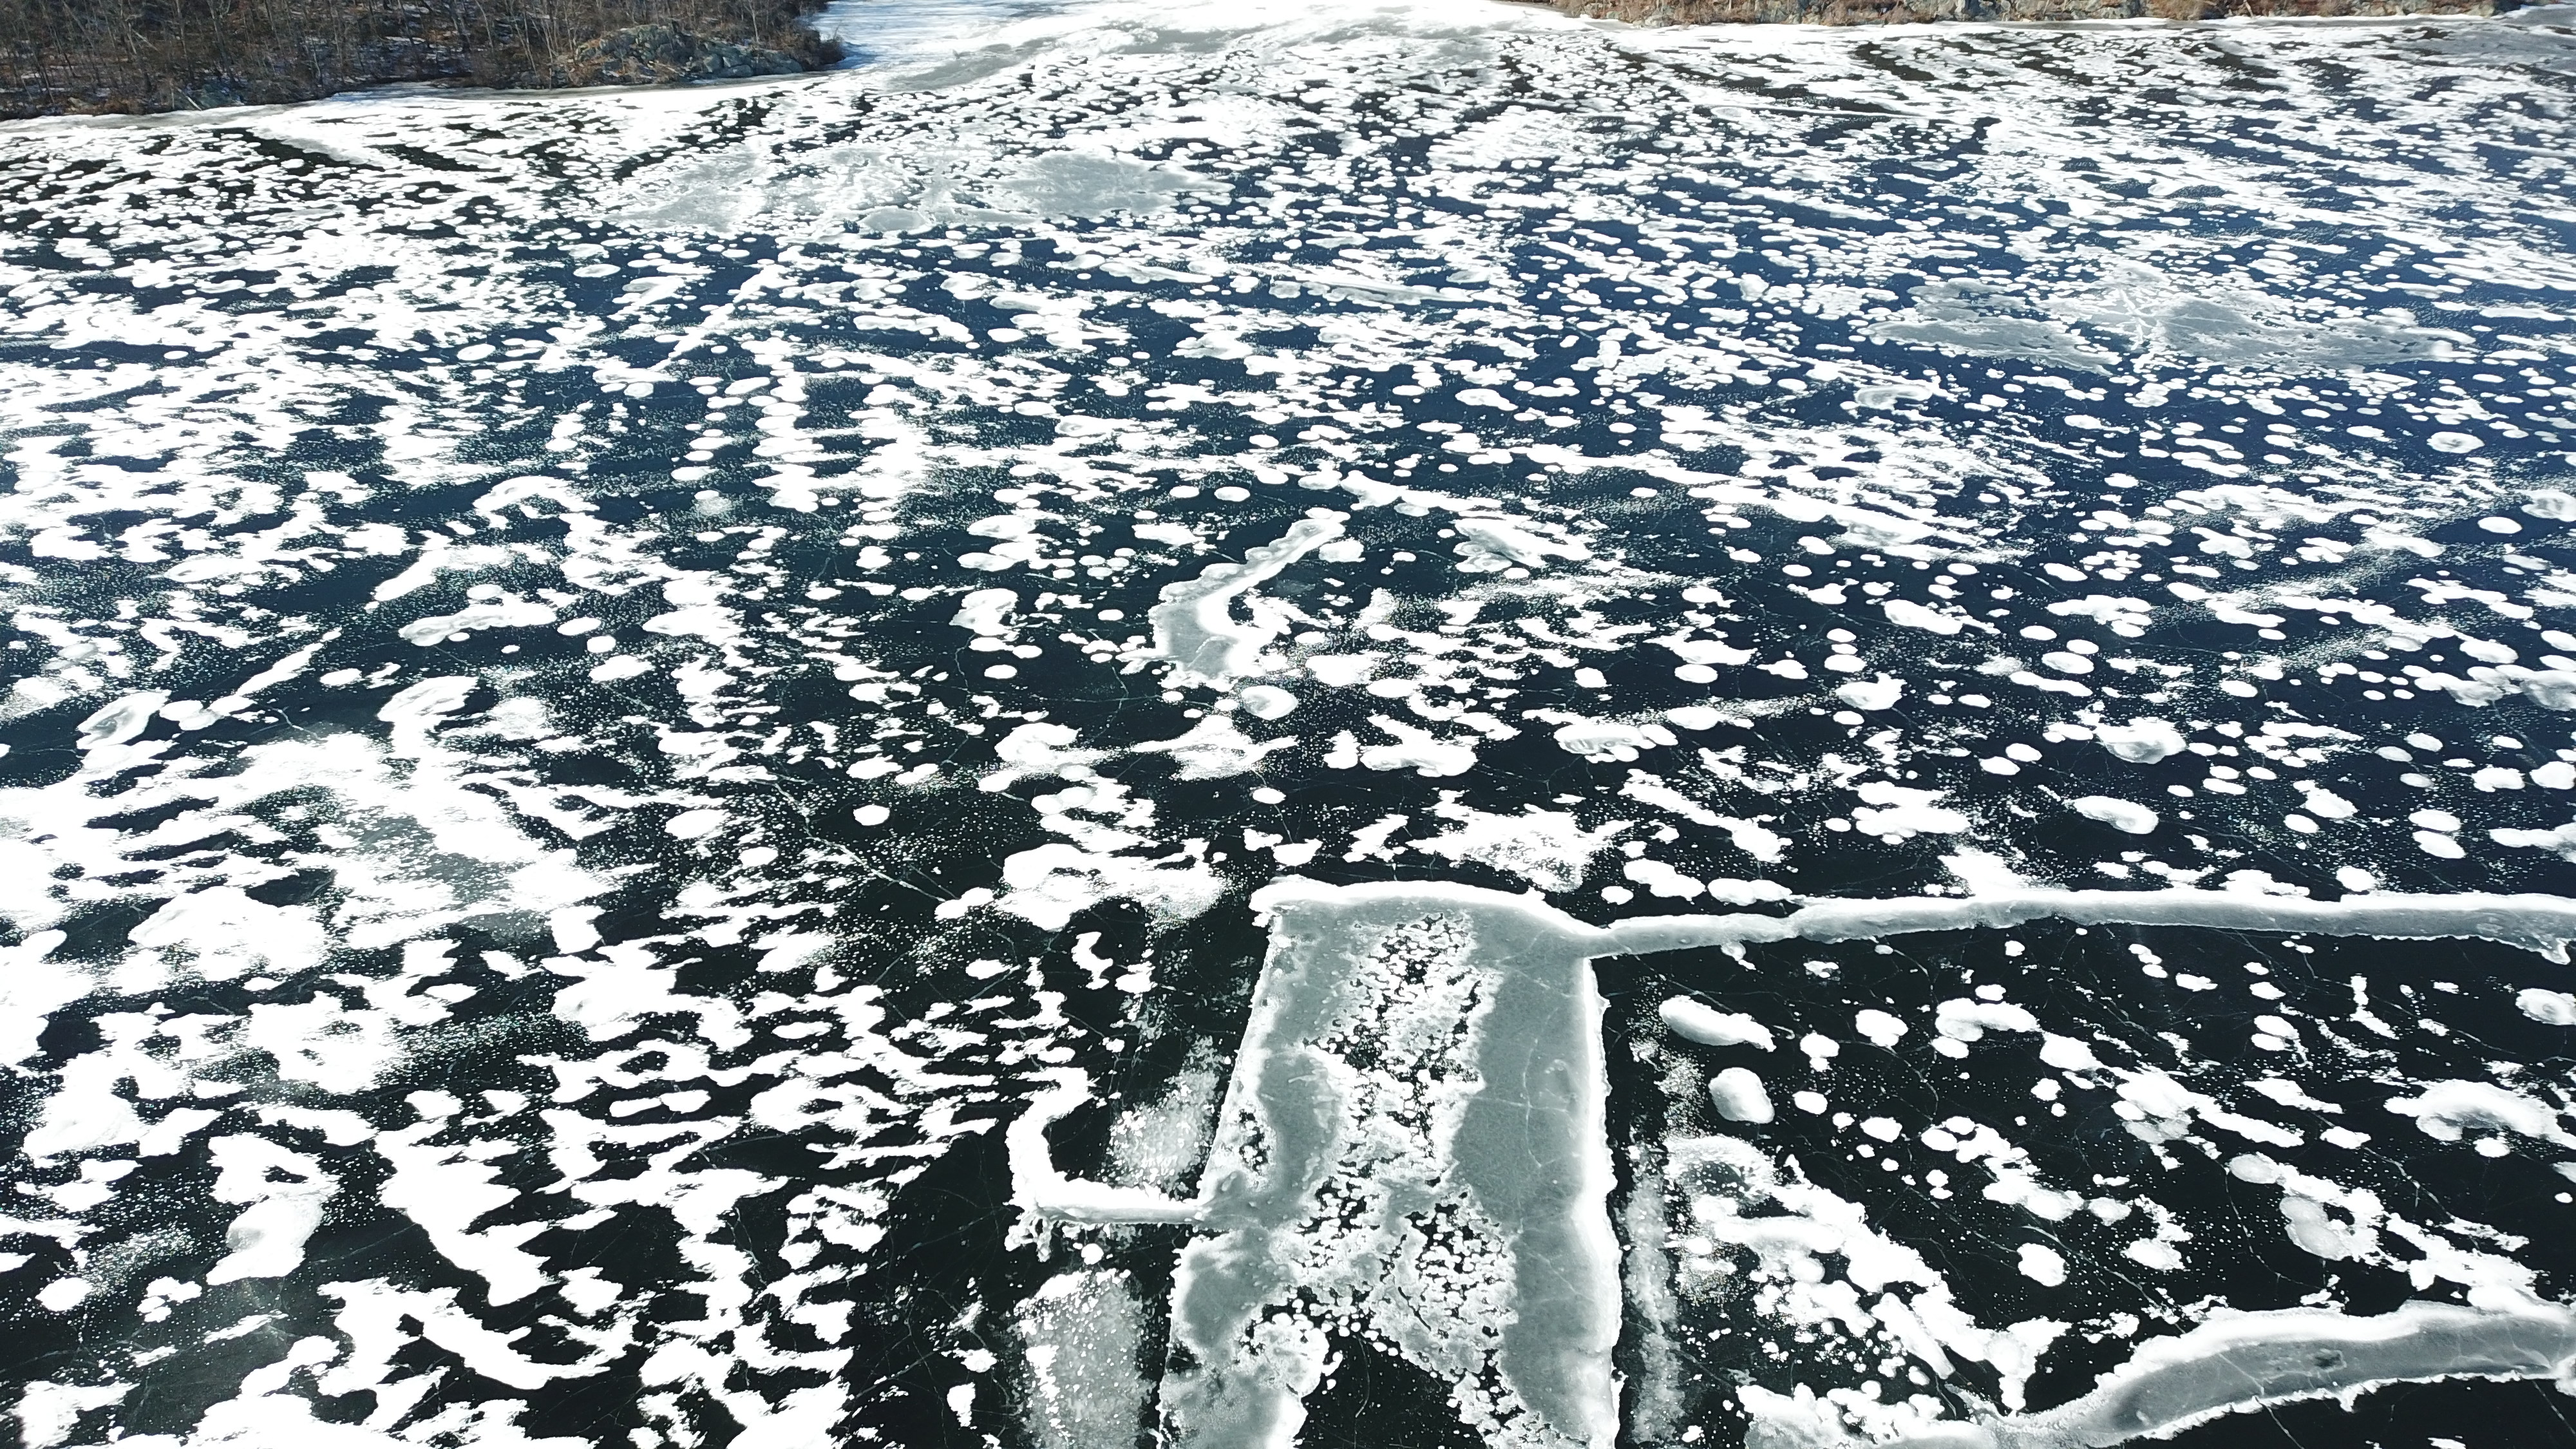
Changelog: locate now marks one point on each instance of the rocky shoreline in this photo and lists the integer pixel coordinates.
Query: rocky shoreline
(129, 56)
(655, 54)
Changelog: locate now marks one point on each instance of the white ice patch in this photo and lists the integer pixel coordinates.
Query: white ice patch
(2554, 1008)
(1662, 881)
(2560, 842)
(1548, 848)
(1710, 1027)
(1416, 749)
(49, 1412)
(1195, 627)
(1962, 1020)
(2122, 815)
(220, 933)
(1881, 1029)
(1907, 614)
(1214, 749)
(1039, 748)
(2141, 741)
(1607, 741)
(1048, 885)
(1871, 694)
(31, 988)
(1264, 701)
(986, 612)
(1738, 1096)
(285, 1192)
(2043, 1265)
(2447, 1110)
(1898, 812)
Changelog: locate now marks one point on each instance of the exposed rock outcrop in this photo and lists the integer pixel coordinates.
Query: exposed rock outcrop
(647, 54)
(159, 55)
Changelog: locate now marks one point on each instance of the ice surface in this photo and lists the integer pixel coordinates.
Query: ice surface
(641, 728)
(1350, 972)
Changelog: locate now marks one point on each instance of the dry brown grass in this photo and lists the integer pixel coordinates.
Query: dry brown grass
(151, 55)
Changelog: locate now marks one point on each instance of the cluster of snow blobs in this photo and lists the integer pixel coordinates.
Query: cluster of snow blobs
(564, 643)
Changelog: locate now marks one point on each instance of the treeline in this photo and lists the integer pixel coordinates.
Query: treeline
(150, 55)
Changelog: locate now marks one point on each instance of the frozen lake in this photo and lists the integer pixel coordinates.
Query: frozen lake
(1330, 724)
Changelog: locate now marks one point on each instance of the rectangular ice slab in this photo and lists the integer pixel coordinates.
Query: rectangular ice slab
(1411, 1150)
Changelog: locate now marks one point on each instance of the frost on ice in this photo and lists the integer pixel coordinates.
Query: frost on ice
(640, 728)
